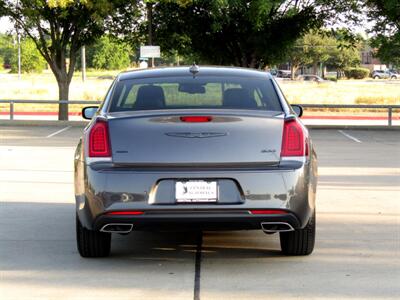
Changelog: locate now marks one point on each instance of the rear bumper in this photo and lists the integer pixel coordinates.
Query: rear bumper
(99, 190)
(195, 220)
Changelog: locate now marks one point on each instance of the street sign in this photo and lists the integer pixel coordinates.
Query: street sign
(149, 51)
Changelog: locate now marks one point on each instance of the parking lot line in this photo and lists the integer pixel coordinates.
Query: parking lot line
(197, 276)
(57, 132)
(349, 136)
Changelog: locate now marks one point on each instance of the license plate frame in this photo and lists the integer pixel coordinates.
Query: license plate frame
(196, 191)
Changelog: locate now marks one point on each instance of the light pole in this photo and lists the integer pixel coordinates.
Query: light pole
(83, 62)
(19, 47)
(19, 54)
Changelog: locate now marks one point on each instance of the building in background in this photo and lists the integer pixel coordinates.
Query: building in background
(369, 61)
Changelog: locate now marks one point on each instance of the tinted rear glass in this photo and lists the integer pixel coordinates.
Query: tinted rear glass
(191, 93)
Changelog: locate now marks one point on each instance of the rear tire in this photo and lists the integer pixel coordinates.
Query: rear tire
(299, 241)
(92, 243)
(376, 77)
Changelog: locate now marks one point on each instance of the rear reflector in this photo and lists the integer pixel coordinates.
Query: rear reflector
(196, 119)
(99, 143)
(268, 212)
(293, 143)
(125, 213)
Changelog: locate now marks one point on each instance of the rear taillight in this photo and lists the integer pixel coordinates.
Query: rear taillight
(268, 212)
(293, 139)
(99, 140)
(125, 213)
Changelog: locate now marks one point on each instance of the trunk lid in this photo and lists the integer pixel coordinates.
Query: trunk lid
(227, 140)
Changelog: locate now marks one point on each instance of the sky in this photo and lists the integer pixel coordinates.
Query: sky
(5, 25)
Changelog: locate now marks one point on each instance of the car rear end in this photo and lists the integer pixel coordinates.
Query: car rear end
(207, 168)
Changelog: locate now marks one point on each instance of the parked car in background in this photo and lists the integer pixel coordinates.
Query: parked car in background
(310, 77)
(394, 74)
(385, 74)
(202, 148)
(283, 74)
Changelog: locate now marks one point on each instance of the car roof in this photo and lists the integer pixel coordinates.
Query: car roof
(184, 71)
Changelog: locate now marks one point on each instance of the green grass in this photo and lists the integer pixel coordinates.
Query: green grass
(342, 92)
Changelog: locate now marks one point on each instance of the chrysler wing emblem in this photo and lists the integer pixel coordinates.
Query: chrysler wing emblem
(196, 134)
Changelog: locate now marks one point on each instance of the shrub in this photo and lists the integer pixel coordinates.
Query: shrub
(356, 73)
(331, 78)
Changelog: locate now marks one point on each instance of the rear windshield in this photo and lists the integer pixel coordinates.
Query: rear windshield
(195, 93)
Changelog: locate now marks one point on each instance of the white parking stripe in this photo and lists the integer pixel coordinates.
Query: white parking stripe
(349, 136)
(57, 132)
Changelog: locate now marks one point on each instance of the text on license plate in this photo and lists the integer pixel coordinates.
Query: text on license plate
(196, 191)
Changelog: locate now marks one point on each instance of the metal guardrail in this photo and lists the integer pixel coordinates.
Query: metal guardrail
(12, 102)
(389, 108)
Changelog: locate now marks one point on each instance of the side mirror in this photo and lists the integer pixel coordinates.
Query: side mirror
(298, 110)
(89, 112)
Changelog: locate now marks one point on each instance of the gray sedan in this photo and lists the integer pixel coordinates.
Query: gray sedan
(195, 148)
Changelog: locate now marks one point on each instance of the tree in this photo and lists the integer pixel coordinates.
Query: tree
(59, 28)
(386, 16)
(314, 48)
(337, 48)
(31, 59)
(298, 56)
(6, 48)
(109, 54)
(347, 52)
(388, 49)
(238, 32)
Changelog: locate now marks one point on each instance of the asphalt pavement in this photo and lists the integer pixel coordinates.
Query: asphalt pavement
(357, 253)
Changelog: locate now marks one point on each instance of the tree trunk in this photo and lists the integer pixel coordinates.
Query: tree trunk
(243, 62)
(63, 76)
(315, 68)
(253, 62)
(293, 70)
(63, 94)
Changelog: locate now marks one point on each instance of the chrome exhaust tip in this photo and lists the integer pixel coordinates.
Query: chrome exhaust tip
(272, 227)
(117, 228)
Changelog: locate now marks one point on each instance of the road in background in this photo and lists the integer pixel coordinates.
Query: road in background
(357, 251)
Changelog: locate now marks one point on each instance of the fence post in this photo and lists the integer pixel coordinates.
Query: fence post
(11, 110)
(390, 116)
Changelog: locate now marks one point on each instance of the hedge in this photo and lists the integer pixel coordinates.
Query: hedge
(356, 73)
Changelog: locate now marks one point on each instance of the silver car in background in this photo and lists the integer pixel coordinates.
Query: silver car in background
(203, 148)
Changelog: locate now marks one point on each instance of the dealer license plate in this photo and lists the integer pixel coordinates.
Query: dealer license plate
(196, 191)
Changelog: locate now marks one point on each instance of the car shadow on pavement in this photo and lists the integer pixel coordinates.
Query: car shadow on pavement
(162, 245)
(48, 230)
